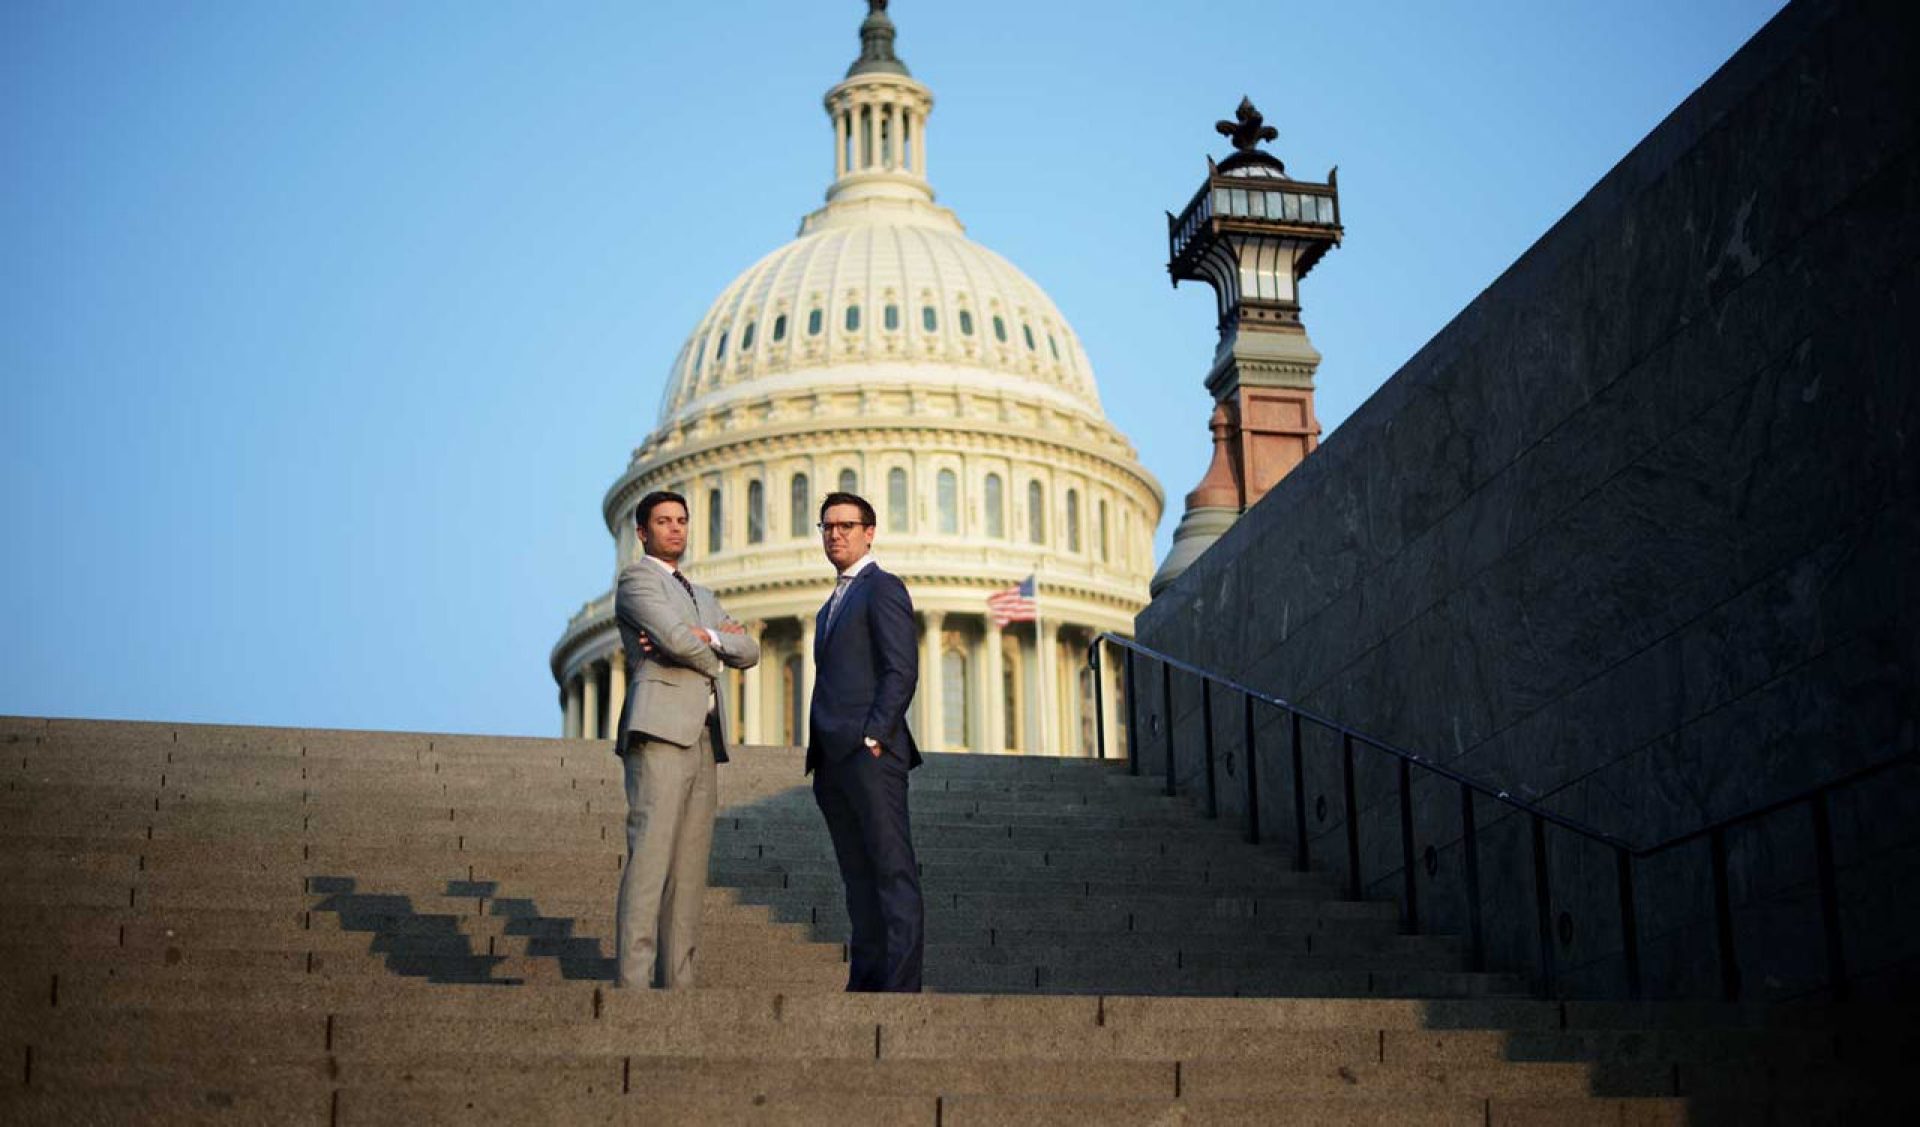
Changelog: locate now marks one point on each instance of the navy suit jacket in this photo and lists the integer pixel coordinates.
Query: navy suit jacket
(865, 670)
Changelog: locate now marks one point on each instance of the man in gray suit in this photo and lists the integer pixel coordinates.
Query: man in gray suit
(671, 739)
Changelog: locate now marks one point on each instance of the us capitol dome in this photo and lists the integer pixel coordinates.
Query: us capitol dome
(885, 353)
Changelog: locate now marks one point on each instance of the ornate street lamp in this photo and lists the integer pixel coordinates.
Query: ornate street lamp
(1252, 233)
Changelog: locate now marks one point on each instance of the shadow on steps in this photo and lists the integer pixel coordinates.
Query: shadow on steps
(432, 946)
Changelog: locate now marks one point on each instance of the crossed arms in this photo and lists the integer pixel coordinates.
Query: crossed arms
(648, 603)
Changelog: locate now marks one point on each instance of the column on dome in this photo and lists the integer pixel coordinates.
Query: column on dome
(590, 701)
(932, 684)
(892, 147)
(806, 678)
(993, 704)
(1046, 680)
(920, 146)
(1070, 683)
(570, 727)
(751, 728)
(1110, 665)
(1079, 678)
(839, 143)
(875, 120)
(616, 691)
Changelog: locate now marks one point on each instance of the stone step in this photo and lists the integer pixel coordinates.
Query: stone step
(1015, 913)
(1095, 958)
(220, 820)
(1281, 982)
(264, 994)
(169, 1104)
(1014, 905)
(1195, 1082)
(577, 874)
(798, 818)
(698, 1027)
(641, 1107)
(1520, 1021)
(1388, 1111)
(111, 756)
(505, 791)
(536, 1103)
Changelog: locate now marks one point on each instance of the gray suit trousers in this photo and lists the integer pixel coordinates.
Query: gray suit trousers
(672, 793)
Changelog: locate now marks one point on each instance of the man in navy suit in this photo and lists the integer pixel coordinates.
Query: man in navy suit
(859, 749)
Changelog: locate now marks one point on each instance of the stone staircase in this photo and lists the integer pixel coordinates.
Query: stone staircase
(202, 924)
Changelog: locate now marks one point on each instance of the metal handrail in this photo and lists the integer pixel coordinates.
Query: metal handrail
(1415, 758)
(1625, 853)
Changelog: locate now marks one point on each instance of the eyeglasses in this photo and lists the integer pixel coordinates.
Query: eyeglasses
(843, 527)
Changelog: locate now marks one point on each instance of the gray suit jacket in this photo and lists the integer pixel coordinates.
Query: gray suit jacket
(669, 691)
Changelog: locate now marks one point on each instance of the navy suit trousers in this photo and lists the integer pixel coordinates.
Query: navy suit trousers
(864, 801)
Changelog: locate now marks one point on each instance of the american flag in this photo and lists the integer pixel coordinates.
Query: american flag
(1014, 604)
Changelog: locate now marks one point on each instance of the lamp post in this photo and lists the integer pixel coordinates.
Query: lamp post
(1251, 233)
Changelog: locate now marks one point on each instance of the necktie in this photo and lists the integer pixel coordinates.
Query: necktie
(712, 700)
(833, 600)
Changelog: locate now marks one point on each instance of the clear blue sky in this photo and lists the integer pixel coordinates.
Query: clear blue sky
(324, 326)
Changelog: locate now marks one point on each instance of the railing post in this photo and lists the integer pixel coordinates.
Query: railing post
(1723, 915)
(1829, 898)
(1133, 717)
(1406, 847)
(1099, 698)
(1629, 924)
(1470, 858)
(1253, 775)
(1301, 862)
(1166, 703)
(1353, 818)
(1543, 903)
(1206, 719)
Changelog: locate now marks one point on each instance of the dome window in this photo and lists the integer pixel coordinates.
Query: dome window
(966, 323)
(849, 481)
(720, 351)
(853, 318)
(1027, 331)
(780, 328)
(947, 500)
(1053, 347)
(999, 328)
(746, 338)
(799, 504)
(891, 318)
(813, 323)
(928, 319)
(896, 500)
(756, 512)
(1036, 513)
(996, 508)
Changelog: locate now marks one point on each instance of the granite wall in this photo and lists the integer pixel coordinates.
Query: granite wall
(1635, 537)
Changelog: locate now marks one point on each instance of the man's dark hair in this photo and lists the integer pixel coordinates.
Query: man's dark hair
(647, 504)
(854, 499)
